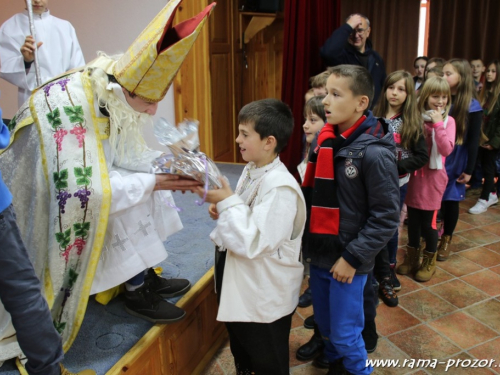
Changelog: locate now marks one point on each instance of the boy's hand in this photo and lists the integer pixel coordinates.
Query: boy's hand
(343, 271)
(212, 211)
(28, 48)
(216, 195)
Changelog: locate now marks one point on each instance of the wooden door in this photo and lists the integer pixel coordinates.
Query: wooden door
(222, 81)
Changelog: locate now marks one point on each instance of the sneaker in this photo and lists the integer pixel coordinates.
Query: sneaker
(166, 288)
(396, 285)
(370, 336)
(149, 305)
(65, 371)
(480, 207)
(492, 199)
(387, 293)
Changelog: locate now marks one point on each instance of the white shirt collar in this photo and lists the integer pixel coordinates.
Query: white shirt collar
(259, 172)
(42, 16)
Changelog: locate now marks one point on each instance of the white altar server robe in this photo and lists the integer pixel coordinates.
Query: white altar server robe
(59, 53)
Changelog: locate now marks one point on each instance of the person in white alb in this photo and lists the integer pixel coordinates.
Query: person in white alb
(89, 212)
(59, 50)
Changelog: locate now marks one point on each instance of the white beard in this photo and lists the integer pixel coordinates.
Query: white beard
(125, 138)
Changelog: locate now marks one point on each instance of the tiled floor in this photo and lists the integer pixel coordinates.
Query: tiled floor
(456, 315)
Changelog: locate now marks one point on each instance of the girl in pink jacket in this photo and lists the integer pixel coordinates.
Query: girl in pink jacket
(427, 185)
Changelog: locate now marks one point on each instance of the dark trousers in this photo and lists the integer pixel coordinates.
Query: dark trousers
(392, 245)
(488, 163)
(258, 348)
(450, 211)
(422, 223)
(20, 293)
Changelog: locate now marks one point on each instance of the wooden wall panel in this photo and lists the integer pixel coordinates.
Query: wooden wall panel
(193, 81)
(222, 88)
(213, 84)
(222, 116)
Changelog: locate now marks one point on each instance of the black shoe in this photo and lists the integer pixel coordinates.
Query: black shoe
(321, 361)
(148, 305)
(396, 285)
(309, 322)
(166, 287)
(311, 349)
(387, 292)
(337, 368)
(370, 336)
(306, 300)
(375, 285)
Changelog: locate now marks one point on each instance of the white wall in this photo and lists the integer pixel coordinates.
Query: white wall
(101, 25)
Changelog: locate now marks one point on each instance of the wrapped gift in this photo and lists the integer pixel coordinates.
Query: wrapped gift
(186, 159)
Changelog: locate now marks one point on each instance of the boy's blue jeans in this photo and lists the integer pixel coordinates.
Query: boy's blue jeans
(338, 312)
(21, 295)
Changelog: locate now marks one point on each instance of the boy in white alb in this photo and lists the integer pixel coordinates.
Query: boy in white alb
(258, 234)
(59, 48)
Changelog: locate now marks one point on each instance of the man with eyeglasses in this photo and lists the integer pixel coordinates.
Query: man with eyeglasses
(349, 44)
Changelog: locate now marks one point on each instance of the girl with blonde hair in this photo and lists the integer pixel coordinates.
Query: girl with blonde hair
(427, 185)
(398, 112)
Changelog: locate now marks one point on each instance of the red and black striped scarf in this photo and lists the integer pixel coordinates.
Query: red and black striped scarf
(320, 186)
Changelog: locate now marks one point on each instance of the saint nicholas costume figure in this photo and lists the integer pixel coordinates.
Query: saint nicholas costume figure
(89, 212)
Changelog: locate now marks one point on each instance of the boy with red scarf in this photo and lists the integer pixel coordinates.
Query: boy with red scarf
(351, 190)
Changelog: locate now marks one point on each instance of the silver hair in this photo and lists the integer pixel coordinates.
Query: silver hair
(359, 14)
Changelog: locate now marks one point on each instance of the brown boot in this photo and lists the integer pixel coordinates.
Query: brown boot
(410, 264)
(64, 371)
(428, 267)
(444, 248)
(421, 249)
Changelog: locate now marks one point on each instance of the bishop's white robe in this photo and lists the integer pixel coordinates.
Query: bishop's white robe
(59, 53)
(139, 222)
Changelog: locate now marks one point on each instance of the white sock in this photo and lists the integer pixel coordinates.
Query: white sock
(131, 288)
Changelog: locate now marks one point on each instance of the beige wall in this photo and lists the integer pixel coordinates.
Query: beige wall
(101, 25)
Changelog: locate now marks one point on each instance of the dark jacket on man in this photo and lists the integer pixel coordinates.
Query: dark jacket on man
(337, 51)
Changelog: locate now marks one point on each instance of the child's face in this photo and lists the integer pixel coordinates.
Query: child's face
(313, 124)
(451, 76)
(431, 74)
(396, 94)
(308, 95)
(341, 106)
(491, 73)
(39, 6)
(477, 69)
(319, 91)
(420, 68)
(252, 148)
(428, 67)
(437, 102)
